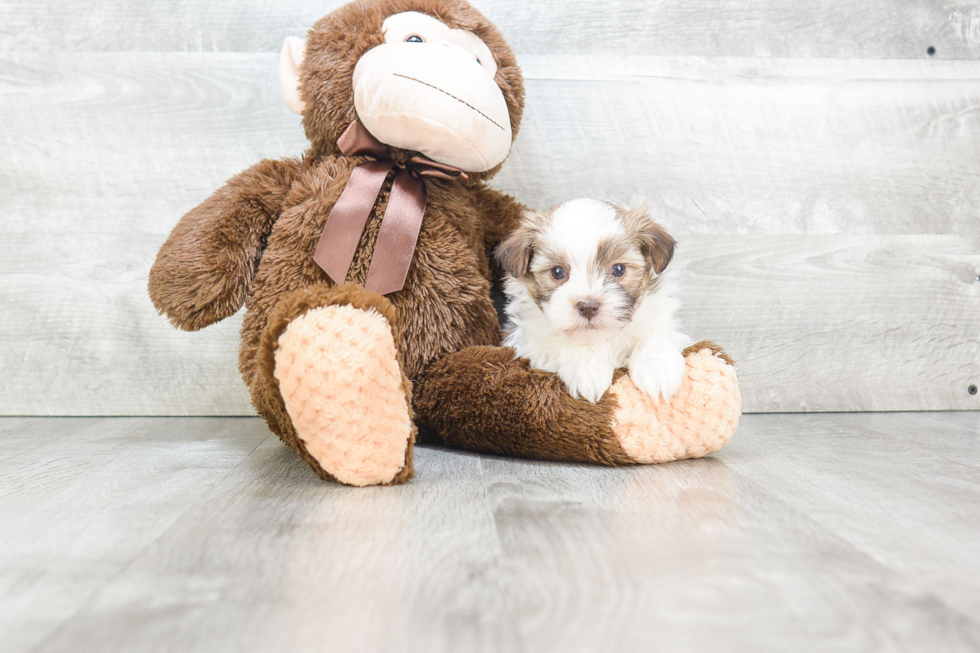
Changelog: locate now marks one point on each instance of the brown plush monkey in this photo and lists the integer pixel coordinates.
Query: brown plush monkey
(365, 265)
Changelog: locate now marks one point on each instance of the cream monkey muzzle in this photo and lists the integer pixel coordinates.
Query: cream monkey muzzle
(431, 89)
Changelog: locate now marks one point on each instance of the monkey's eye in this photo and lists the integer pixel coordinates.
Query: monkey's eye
(558, 273)
(414, 38)
(618, 270)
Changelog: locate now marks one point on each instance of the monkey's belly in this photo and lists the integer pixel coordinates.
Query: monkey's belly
(444, 306)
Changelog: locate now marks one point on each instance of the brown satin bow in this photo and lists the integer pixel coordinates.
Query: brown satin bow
(402, 220)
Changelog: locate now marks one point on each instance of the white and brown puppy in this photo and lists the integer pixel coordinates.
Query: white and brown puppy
(588, 294)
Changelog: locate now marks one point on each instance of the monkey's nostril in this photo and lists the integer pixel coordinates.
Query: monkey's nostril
(588, 309)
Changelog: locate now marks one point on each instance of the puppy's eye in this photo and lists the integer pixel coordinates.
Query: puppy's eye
(618, 270)
(414, 38)
(558, 273)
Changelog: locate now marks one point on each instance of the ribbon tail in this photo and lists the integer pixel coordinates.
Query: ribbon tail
(395, 247)
(357, 140)
(426, 167)
(342, 233)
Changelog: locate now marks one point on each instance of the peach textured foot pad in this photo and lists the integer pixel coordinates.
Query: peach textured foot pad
(340, 381)
(699, 420)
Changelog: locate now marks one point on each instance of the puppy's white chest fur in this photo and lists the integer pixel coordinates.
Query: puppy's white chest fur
(590, 295)
(650, 345)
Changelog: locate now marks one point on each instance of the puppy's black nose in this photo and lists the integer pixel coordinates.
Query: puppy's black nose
(588, 309)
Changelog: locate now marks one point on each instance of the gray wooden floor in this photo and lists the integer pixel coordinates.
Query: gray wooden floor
(843, 532)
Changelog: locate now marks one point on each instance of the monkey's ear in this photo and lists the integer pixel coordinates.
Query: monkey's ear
(290, 66)
(656, 244)
(514, 254)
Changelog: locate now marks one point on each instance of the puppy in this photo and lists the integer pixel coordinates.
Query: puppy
(588, 294)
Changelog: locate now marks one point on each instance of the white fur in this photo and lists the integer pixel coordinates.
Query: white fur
(554, 337)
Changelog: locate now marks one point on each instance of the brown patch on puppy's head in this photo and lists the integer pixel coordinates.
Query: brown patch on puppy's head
(515, 253)
(622, 249)
(523, 247)
(655, 243)
(587, 263)
(337, 41)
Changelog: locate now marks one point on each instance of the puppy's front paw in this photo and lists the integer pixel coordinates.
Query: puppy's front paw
(588, 381)
(658, 374)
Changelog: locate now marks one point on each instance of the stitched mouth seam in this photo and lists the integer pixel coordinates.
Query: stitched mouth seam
(452, 96)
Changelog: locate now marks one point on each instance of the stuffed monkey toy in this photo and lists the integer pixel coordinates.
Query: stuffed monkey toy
(364, 266)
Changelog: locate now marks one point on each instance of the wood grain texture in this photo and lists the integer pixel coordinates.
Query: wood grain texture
(105, 151)
(729, 145)
(816, 323)
(823, 322)
(23, 435)
(859, 487)
(89, 495)
(757, 146)
(762, 28)
(807, 533)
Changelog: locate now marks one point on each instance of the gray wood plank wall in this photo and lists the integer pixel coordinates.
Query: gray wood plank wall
(820, 169)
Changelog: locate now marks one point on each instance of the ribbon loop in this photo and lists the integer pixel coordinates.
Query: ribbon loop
(357, 141)
(402, 220)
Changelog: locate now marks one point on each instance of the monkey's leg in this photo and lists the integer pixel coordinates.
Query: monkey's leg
(330, 385)
(482, 399)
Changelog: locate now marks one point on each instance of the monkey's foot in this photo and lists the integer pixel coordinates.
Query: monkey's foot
(485, 399)
(345, 394)
(699, 419)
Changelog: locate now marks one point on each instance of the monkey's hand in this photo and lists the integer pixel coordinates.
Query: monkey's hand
(204, 270)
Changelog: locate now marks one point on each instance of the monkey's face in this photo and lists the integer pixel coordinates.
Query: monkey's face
(446, 87)
(429, 88)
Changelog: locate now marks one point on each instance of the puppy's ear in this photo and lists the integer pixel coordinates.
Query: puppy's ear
(515, 253)
(656, 245)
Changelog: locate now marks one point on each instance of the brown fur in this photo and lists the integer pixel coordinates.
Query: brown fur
(646, 248)
(715, 349)
(516, 251)
(540, 280)
(636, 280)
(252, 242)
(204, 271)
(655, 243)
(483, 399)
(265, 389)
(338, 40)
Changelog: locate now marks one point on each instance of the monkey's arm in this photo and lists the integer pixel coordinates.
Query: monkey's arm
(203, 272)
(499, 213)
